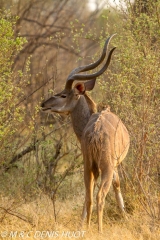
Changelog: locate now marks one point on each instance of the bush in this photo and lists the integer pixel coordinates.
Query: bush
(133, 93)
(10, 85)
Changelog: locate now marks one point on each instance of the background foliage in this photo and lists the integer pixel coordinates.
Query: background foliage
(11, 88)
(39, 155)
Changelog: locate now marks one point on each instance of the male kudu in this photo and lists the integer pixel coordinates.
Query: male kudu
(103, 137)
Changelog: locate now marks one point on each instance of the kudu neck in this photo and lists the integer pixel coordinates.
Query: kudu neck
(81, 114)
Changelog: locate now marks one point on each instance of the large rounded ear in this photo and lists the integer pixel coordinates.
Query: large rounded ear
(80, 88)
(89, 85)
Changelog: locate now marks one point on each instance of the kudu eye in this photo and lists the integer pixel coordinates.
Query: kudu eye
(63, 96)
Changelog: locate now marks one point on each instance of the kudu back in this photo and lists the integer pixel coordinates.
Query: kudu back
(103, 137)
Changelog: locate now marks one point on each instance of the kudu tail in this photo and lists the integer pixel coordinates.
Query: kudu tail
(95, 170)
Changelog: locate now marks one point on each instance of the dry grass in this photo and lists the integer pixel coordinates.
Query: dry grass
(25, 210)
(38, 221)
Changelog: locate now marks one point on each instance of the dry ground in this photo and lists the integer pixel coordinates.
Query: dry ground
(35, 220)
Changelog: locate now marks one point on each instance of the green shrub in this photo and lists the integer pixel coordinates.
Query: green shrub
(10, 85)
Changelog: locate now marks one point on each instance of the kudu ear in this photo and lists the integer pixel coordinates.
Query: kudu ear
(89, 85)
(80, 88)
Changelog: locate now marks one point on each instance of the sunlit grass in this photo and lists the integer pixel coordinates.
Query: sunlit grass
(36, 218)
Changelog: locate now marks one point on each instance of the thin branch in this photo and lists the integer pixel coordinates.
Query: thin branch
(30, 148)
(15, 214)
(25, 98)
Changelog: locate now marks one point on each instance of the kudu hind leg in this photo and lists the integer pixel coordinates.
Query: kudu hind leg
(106, 181)
(88, 204)
(117, 190)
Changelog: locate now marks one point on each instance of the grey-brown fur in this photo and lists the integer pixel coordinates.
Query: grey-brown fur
(105, 143)
(81, 114)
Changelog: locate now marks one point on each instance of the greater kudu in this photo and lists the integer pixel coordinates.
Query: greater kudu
(103, 137)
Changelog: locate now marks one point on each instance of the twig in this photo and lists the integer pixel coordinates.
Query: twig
(15, 214)
(30, 148)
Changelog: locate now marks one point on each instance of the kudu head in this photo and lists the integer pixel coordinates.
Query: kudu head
(65, 101)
